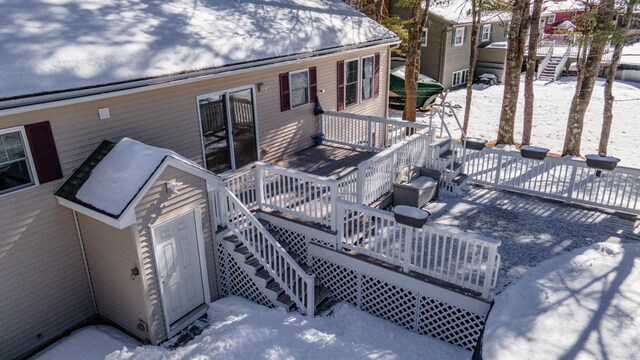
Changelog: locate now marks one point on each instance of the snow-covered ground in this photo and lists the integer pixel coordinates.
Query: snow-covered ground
(550, 113)
(241, 329)
(532, 230)
(631, 54)
(88, 343)
(582, 305)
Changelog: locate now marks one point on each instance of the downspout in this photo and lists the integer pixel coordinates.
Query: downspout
(443, 47)
(84, 259)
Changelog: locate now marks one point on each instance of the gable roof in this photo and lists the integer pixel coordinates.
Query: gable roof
(63, 45)
(115, 177)
(459, 12)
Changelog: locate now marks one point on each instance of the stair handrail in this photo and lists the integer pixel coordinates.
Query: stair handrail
(298, 284)
(545, 60)
(562, 62)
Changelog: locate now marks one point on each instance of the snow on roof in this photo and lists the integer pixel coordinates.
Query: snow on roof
(459, 12)
(118, 178)
(552, 7)
(57, 45)
(566, 25)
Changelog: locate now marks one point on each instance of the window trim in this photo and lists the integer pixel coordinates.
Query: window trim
(425, 37)
(29, 157)
(361, 79)
(455, 32)
(453, 76)
(291, 107)
(551, 19)
(488, 33)
(358, 82)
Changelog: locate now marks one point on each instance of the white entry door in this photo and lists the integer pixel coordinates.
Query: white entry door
(179, 269)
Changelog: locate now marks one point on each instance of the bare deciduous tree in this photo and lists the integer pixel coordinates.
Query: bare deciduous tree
(599, 37)
(515, 53)
(418, 13)
(534, 35)
(619, 39)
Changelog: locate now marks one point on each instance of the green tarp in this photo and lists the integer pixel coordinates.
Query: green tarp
(427, 87)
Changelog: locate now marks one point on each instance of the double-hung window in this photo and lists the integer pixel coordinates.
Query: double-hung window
(16, 168)
(351, 82)
(299, 81)
(367, 77)
(460, 77)
(486, 32)
(458, 38)
(551, 19)
(423, 38)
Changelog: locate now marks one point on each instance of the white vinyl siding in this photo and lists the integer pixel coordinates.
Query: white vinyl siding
(486, 32)
(458, 34)
(16, 168)
(460, 77)
(299, 87)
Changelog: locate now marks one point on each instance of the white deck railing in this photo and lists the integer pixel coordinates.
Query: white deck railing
(376, 175)
(272, 256)
(569, 180)
(243, 186)
(305, 196)
(464, 259)
(365, 132)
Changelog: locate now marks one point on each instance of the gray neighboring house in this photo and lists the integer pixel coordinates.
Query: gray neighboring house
(445, 48)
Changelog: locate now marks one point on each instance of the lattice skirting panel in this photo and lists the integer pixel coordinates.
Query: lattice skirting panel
(297, 242)
(234, 280)
(412, 310)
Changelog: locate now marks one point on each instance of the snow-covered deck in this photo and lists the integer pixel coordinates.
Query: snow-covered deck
(531, 229)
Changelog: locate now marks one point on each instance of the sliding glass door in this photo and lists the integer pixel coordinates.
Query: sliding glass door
(228, 129)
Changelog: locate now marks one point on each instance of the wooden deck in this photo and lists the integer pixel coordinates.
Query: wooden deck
(333, 161)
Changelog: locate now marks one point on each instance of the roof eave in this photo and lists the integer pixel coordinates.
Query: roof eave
(70, 94)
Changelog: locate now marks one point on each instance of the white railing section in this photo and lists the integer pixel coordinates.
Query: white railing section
(464, 259)
(348, 186)
(562, 63)
(569, 180)
(365, 132)
(243, 186)
(376, 175)
(547, 57)
(295, 282)
(305, 196)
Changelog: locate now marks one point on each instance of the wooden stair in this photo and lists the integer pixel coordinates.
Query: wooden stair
(549, 71)
(266, 283)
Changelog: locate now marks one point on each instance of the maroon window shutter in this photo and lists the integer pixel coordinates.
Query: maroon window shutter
(43, 151)
(376, 75)
(313, 84)
(340, 85)
(285, 100)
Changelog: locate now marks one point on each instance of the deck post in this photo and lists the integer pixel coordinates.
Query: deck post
(360, 184)
(259, 185)
(572, 182)
(369, 135)
(498, 169)
(406, 256)
(333, 188)
(340, 226)
(488, 275)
